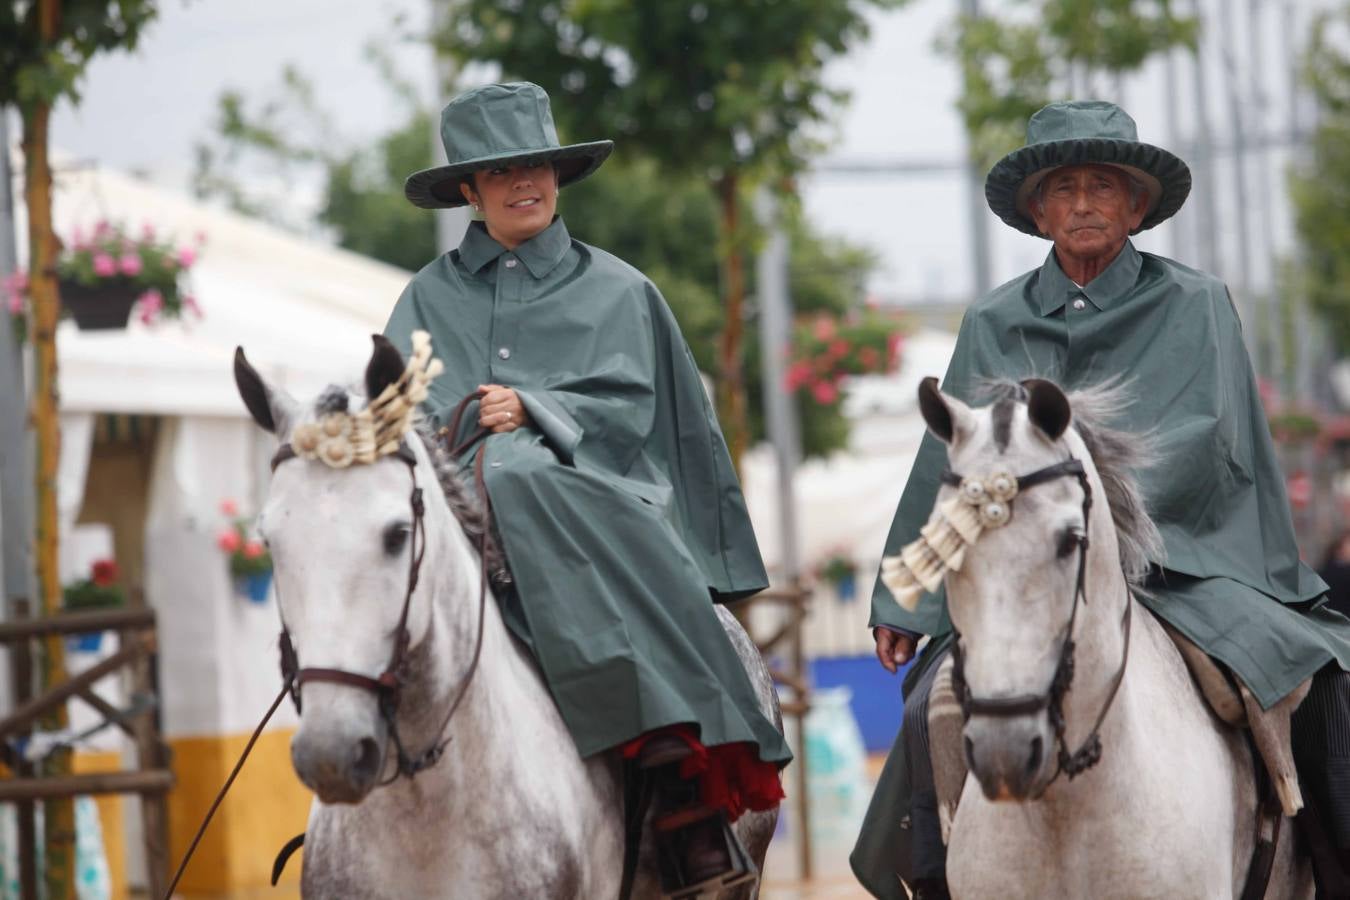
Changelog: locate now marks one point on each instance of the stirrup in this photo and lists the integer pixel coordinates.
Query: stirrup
(670, 837)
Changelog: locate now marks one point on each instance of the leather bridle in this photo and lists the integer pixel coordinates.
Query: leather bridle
(1052, 699)
(388, 685)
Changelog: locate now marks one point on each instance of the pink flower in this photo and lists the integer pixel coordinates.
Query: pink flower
(838, 347)
(797, 375)
(186, 257)
(77, 238)
(869, 357)
(105, 266)
(147, 232)
(823, 328)
(191, 305)
(17, 282)
(824, 392)
(101, 228)
(229, 508)
(131, 264)
(252, 550)
(15, 304)
(228, 540)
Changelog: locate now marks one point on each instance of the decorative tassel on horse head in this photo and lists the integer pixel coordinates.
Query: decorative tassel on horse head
(956, 524)
(340, 438)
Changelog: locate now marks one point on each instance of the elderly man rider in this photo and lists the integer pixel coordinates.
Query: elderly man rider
(1232, 581)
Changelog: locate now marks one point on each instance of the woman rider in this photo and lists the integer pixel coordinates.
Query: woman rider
(613, 492)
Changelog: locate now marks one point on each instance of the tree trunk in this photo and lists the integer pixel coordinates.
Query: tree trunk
(731, 376)
(59, 826)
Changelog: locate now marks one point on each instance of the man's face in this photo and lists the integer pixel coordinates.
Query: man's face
(518, 202)
(1088, 211)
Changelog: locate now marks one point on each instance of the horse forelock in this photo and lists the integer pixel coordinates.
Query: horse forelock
(1117, 455)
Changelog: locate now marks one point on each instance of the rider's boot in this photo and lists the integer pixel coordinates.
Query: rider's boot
(1321, 744)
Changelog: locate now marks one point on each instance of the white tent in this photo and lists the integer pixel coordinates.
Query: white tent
(304, 313)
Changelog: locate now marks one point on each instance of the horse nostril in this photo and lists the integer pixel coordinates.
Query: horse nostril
(366, 760)
(1034, 762)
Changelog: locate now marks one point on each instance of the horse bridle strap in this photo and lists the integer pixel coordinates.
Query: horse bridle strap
(1052, 699)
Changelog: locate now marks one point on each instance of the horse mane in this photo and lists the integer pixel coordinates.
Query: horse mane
(1117, 455)
(468, 510)
(471, 514)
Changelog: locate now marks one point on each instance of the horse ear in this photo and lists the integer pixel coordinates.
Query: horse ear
(270, 409)
(385, 367)
(1047, 407)
(947, 417)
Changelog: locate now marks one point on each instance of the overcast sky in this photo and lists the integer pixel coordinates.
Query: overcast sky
(144, 112)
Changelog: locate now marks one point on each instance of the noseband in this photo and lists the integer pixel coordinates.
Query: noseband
(388, 685)
(1052, 699)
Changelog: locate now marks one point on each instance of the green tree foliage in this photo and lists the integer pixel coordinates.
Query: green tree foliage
(720, 90)
(34, 70)
(1320, 188)
(1035, 51)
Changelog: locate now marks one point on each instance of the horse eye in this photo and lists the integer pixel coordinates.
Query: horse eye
(395, 536)
(1069, 540)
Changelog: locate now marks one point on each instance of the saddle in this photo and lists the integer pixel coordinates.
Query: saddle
(1234, 704)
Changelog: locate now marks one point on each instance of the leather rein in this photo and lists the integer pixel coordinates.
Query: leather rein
(388, 685)
(1087, 755)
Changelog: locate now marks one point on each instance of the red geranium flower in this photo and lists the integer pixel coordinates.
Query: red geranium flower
(104, 572)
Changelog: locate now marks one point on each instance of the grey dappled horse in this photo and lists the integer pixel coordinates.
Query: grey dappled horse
(1170, 808)
(510, 809)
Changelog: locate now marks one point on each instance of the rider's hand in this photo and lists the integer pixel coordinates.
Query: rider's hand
(894, 648)
(500, 409)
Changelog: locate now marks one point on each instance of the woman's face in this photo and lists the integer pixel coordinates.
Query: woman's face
(517, 202)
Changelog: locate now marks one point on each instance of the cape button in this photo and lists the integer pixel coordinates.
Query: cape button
(510, 263)
(1080, 303)
(504, 353)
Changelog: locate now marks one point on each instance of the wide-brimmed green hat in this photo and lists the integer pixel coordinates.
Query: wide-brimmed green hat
(1084, 132)
(494, 125)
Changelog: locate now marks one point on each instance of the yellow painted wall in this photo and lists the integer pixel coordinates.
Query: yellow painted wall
(266, 808)
(110, 817)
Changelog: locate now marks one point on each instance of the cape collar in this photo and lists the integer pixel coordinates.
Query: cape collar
(540, 253)
(1054, 289)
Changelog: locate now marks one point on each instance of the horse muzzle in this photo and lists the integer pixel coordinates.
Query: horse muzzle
(1012, 757)
(339, 764)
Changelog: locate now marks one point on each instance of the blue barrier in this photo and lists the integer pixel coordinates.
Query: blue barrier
(876, 701)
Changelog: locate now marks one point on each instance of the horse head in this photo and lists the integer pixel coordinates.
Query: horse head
(1021, 547)
(345, 521)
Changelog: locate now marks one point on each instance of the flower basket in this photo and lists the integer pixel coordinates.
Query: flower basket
(255, 586)
(102, 306)
(250, 563)
(98, 591)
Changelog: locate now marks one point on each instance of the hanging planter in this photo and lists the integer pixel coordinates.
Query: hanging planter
(102, 306)
(255, 586)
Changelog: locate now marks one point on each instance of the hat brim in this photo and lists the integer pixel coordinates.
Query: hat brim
(1013, 179)
(438, 188)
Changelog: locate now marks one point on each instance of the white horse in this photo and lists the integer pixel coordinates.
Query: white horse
(510, 810)
(1170, 810)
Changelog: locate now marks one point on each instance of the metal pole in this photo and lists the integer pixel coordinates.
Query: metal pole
(450, 223)
(16, 504)
(16, 561)
(1202, 160)
(1246, 297)
(780, 417)
(979, 218)
(1270, 362)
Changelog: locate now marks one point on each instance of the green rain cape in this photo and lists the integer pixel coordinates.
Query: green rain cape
(619, 510)
(1232, 580)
